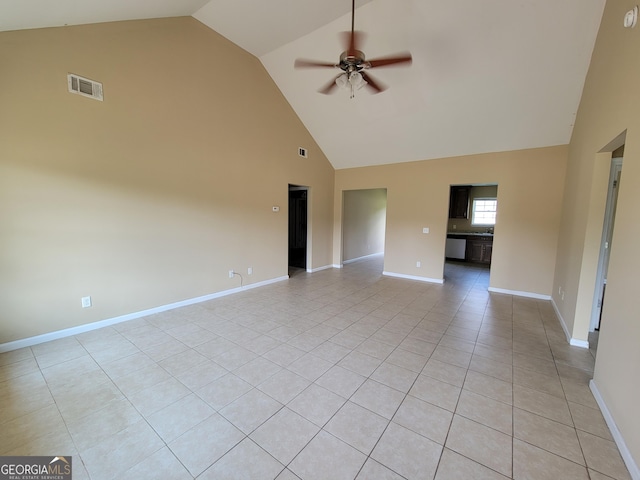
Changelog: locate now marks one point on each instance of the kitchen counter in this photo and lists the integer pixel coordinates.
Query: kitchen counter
(470, 234)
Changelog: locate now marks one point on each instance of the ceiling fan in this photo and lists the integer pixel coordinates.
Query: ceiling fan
(354, 64)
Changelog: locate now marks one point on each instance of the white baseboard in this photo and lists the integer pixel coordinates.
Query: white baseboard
(317, 269)
(579, 343)
(518, 293)
(345, 262)
(67, 332)
(572, 341)
(634, 471)
(414, 277)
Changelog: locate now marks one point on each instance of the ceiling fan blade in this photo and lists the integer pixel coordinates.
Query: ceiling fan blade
(352, 41)
(302, 63)
(330, 87)
(400, 59)
(373, 84)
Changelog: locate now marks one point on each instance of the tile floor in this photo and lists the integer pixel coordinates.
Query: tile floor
(340, 374)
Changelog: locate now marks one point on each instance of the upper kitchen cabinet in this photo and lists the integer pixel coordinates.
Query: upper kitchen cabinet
(459, 201)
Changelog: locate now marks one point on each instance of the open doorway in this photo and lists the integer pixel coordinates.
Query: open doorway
(364, 221)
(470, 229)
(606, 245)
(297, 228)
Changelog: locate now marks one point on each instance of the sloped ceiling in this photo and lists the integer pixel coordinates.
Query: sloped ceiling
(487, 76)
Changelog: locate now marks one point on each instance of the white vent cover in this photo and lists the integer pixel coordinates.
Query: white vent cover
(303, 152)
(84, 86)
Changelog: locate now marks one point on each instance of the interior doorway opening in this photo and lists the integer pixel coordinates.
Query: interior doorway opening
(298, 227)
(364, 223)
(615, 174)
(473, 212)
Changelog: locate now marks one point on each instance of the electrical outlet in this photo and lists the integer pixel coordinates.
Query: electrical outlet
(418, 264)
(250, 271)
(86, 302)
(425, 230)
(231, 274)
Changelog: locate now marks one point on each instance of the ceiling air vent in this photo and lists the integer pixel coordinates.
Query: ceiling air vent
(84, 86)
(303, 152)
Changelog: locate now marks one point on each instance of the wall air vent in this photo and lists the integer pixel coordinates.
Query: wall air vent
(303, 152)
(84, 86)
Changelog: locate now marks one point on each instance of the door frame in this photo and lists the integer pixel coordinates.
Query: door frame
(605, 248)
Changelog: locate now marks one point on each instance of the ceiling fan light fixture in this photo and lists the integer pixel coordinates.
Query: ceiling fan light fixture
(356, 80)
(342, 81)
(351, 81)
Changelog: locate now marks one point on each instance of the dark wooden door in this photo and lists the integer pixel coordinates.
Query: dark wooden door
(298, 228)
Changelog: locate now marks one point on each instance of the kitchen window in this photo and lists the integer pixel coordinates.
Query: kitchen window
(483, 211)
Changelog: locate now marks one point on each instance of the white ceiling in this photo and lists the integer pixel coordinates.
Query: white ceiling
(487, 75)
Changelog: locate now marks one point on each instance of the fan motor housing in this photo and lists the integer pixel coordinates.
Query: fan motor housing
(353, 62)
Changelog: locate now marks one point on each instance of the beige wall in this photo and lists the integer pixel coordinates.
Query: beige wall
(153, 195)
(526, 232)
(610, 105)
(364, 220)
(464, 224)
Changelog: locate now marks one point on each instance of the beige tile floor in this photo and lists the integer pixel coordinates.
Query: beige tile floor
(340, 374)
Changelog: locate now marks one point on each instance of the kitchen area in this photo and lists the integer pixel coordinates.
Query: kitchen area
(470, 229)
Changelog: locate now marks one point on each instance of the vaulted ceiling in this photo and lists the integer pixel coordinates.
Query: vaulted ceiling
(487, 75)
